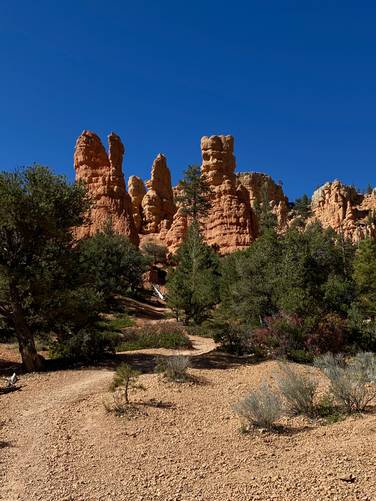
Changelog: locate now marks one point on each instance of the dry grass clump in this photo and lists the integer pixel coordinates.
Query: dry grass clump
(352, 382)
(174, 368)
(298, 390)
(169, 335)
(261, 408)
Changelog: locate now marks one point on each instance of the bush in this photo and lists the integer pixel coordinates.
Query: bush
(159, 335)
(282, 335)
(232, 337)
(111, 263)
(85, 345)
(125, 379)
(173, 368)
(352, 382)
(298, 390)
(116, 323)
(325, 408)
(261, 408)
(330, 334)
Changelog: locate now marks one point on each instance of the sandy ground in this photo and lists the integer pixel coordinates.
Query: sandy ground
(58, 443)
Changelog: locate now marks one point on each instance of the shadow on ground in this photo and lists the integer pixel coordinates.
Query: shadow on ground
(145, 363)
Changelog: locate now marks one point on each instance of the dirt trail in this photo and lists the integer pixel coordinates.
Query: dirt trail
(46, 430)
(59, 444)
(144, 313)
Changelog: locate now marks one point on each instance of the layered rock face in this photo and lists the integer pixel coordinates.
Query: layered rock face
(261, 187)
(137, 191)
(345, 210)
(150, 212)
(230, 224)
(158, 206)
(102, 173)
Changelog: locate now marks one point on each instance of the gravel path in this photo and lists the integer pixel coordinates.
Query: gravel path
(60, 444)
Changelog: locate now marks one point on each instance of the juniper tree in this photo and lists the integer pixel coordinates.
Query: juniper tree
(37, 213)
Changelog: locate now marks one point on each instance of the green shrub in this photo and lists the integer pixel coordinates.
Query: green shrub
(155, 251)
(158, 335)
(116, 323)
(86, 345)
(325, 408)
(232, 337)
(173, 368)
(261, 408)
(125, 379)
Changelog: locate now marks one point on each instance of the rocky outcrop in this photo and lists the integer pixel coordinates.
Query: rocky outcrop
(158, 206)
(102, 173)
(229, 224)
(261, 188)
(345, 210)
(137, 191)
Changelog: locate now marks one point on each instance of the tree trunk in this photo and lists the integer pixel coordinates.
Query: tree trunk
(31, 360)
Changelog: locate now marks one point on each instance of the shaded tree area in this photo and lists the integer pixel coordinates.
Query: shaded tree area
(49, 286)
(290, 291)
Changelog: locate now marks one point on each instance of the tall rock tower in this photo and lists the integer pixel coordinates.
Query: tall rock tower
(103, 175)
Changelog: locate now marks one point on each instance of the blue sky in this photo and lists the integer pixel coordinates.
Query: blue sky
(294, 82)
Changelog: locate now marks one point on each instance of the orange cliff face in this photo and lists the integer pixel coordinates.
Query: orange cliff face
(103, 175)
(345, 210)
(150, 213)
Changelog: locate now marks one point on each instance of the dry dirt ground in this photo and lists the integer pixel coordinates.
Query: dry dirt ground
(58, 443)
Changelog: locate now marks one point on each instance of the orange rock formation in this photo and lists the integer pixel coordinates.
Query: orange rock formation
(103, 176)
(345, 210)
(231, 223)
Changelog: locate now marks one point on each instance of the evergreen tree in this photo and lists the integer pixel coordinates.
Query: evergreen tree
(194, 193)
(37, 213)
(193, 285)
(266, 219)
(111, 263)
(302, 207)
(248, 288)
(365, 278)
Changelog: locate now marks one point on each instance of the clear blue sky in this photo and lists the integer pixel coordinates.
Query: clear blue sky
(294, 82)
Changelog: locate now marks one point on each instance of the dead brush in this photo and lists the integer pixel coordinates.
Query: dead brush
(297, 389)
(261, 408)
(173, 368)
(352, 381)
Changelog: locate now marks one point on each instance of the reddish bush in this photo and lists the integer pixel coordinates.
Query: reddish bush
(330, 334)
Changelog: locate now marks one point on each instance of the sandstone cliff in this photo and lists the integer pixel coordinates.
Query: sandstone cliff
(345, 210)
(137, 191)
(261, 188)
(103, 176)
(231, 223)
(158, 206)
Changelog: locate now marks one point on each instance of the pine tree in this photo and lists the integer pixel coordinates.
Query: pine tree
(195, 193)
(365, 277)
(267, 220)
(193, 285)
(302, 206)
